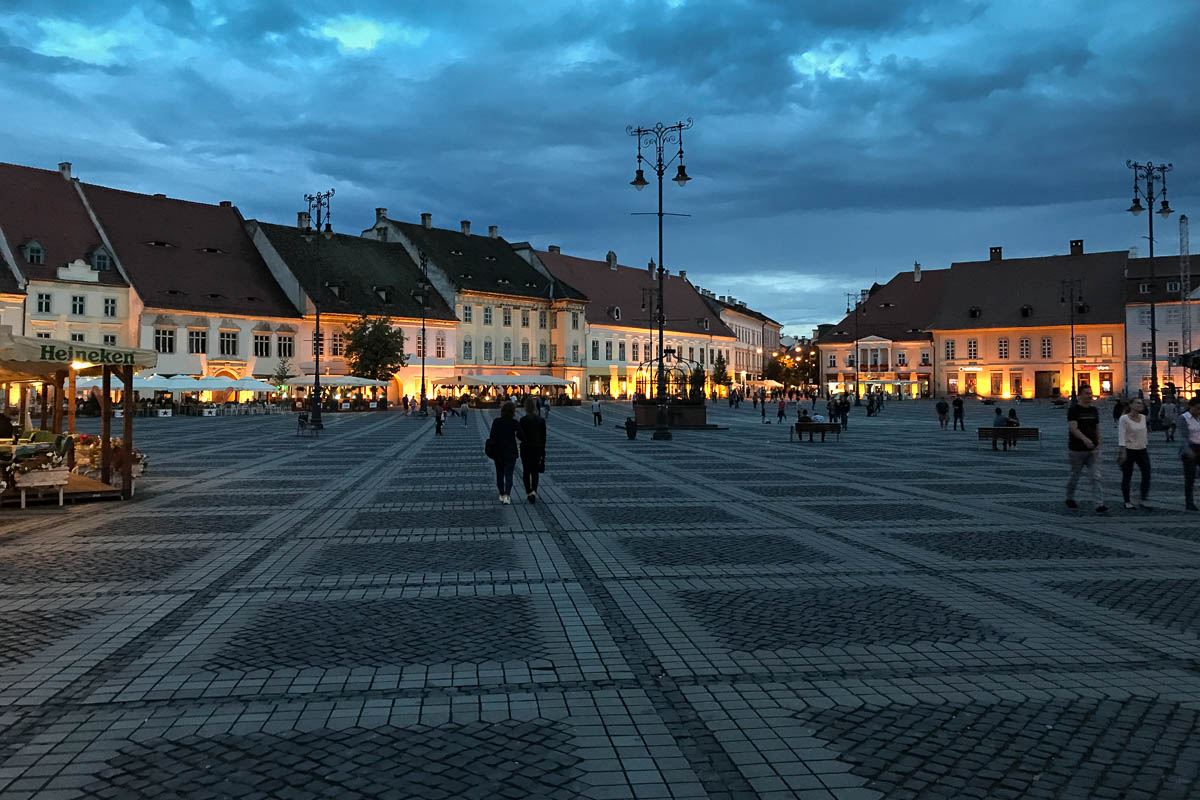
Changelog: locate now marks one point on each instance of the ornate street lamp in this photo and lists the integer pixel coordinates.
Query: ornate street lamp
(318, 203)
(1150, 172)
(658, 137)
(856, 300)
(421, 295)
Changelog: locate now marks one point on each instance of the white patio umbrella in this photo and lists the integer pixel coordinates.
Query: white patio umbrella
(181, 383)
(252, 385)
(151, 383)
(214, 384)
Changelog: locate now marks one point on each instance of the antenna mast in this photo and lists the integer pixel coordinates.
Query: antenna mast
(1185, 291)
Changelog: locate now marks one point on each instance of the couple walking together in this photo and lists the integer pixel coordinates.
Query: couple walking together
(502, 447)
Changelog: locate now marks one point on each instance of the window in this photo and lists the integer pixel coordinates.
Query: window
(1025, 349)
(553, 320)
(542, 352)
(1047, 347)
(617, 313)
(608, 350)
(100, 261)
(902, 359)
(487, 316)
(110, 306)
(575, 353)
(467, 313)
(574, 320)
(508, 350)
(949, 349)
(197, 342)
(925, 358)
(262, 345)
(227, 343)
(633, 353)
(1173, 315)
(1002, 347)
(595, 350)
(832, 360)
(35, 254)
(542, 320)
(43, 334)
(1172, 348)
(1106, 345)
(524, 351)
(620, 351)
(972, 348)
(1144, 317)
(318, 344)
(849, 359)
(76, 337)
(1147, 351)
(468, 349)
(110, 339)
(1172, 286)
(164, 340)
(78, 305)
(1080, 346)
(524, 318)
(420, 346)
(1143, 288)
(506, 317)
(487, 349)
(439, 345)
(43, 303)
(553, 352)
(285, 346)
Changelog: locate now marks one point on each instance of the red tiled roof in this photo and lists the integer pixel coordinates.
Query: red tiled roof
(208, 263)
(608, 288)
(901, 310)
(41, 205)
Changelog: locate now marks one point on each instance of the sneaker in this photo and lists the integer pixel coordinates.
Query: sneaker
(1191, 507)
(1071, 503)
(1130, 507)
(533, 497)
(506, 499)
(529, 497)
(1102, 510)
(1142, 505)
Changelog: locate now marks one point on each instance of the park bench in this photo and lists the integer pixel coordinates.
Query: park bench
(1009, 435)
(800, 428)
(305, 425)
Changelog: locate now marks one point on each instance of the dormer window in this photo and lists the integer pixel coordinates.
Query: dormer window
(212, 250)
(1026, 310)
(35, 253)
(382, 292)
(1143, 288)
(101, 262)
(175, 292)
(158, 243)
(215, 296)
(887, 305)
(456, 252)
(616, 313)
(254, 299)
(704, 322)
(490, 258)
(974, 312)
(530, 284)
(336, 288)
(504, 281)
(466, 276)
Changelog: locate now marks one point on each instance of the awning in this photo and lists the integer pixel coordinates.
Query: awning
(26, 359)
(503, 380)
(334, 380)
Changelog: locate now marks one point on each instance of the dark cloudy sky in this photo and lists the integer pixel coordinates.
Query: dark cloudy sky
(835, 141)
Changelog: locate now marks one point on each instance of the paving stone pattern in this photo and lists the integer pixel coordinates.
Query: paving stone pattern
(723, 615)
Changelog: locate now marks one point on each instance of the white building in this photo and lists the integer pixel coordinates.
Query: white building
(1165, 289)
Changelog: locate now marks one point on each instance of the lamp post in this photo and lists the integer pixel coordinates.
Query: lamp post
(319, 203)
(1071, 291)
(658, 137)
(1150, 172)
(855, 299)
(421, 295)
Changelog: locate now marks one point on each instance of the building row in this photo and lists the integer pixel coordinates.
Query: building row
(216, 294)
(1015, 327)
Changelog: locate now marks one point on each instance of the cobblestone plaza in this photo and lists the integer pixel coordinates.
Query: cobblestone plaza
(904, 613)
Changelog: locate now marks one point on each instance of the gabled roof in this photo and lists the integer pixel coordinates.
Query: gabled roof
(1000, 289)
(901, 310)
(717, 305)
(188, 256)
(41, 205)
(1166, 269)
(361, 268)
(621, 287)
(484, 263)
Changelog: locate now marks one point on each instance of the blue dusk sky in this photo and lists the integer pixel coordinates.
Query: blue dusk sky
(835, 142)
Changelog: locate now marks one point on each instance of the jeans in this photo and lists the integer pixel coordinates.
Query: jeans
(1142, 459)
(1089, 460)
(958, 422)
(529, 471)
(595, 418)
(504, 472)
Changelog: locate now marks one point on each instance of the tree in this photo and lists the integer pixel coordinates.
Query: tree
(719, 376)
(374, 349)
(696, 382)
(283, 371)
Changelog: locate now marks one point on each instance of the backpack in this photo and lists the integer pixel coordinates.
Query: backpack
(489, 449)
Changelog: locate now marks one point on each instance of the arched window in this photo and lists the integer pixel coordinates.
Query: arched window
(35, 253)
(617, 313)
(100, 260)
(468, 349)
(439, 345)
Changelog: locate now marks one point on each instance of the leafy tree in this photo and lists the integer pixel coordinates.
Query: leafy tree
(283, 371)
(374, 349)
(696, 382)
(719, 376)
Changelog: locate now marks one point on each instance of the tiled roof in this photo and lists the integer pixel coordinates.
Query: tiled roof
(1166, 269)
(188, 256)
(901, 310)
(716, 304)
(484, 264)
(608, 288)
(999, 291)
(40, 205)
(361, 268)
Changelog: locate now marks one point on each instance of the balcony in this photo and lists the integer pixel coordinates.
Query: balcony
(875, 368)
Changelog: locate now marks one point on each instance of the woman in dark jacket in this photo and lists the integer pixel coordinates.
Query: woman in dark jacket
(533, 448)
(504, 436)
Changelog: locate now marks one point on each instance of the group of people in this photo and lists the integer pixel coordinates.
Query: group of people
(511, 437)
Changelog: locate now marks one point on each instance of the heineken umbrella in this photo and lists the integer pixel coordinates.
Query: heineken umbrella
(23, 358)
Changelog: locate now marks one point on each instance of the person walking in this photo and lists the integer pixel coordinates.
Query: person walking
(462, 409)
(439, 419)
(404, 404)
(782, 409)
(1188, 428)
(502, 447)
(1013, 422)
(943, 412)
(533, 449)
(1132, 435)
(595, 412)
(958, 413)
(1168, 415)
(1083, 448)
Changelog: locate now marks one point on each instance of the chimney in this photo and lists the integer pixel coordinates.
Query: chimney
(916, 272)
(226, 204)
(64, 167)
(466, 227)
(611, 258)
(554, 248)
(721, 298)
(380, 214)
(303, 220)
(493, 231)
(863, 295)
(1077, 247)
(427, 220)
(1133, 252)
(996, 253)
(650, 268)
(683, 274)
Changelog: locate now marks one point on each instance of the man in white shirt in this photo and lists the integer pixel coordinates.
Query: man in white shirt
(595, 412)
(1188, 431)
